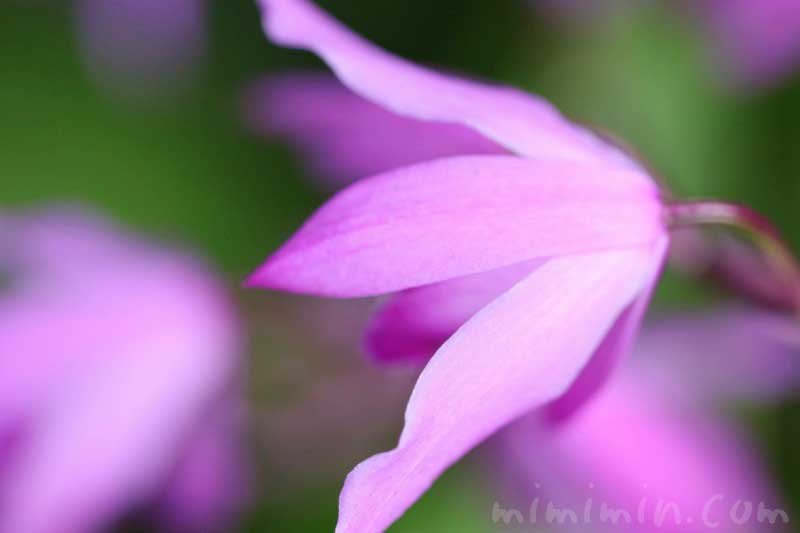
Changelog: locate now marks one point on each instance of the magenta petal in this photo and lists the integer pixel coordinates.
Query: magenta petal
(614, 348)
(521, 122)
(344, 136)
(111, 354)
(728, 356)
(630, 444)
(413, 324)
(460, 216)
(210, 484)
(522, 351)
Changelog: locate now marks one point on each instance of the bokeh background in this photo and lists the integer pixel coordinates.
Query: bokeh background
(179, 163)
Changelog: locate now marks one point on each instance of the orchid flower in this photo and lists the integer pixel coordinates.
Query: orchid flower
(119, 362)
(554, 244)
(136, 47)
(656, 434)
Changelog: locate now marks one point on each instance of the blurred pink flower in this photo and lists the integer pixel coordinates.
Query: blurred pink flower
(119, 362)
(138, 47)
(657, 433)
(558, 246)
(344, 137)
(757, 42)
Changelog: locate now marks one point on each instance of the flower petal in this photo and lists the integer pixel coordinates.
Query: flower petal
(460, 216)
(209, 485)
(111, 352)
(82, 465)
(344, 136)
(522, 351)
(614, 347)
(413, 324)
(729, 355)
(521, 122)
(632, 444)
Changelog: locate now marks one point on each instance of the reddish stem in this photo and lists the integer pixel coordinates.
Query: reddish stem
(757, 227)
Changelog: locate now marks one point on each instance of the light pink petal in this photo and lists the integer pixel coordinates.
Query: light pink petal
(410, 326)
(614, 347)
(66, 317)
(106, 370)
(60, 241)
(210, 484)
(460, 216)
(523, 123)
(630, 447)
(521, 351)
(722, 356)
(344, 137)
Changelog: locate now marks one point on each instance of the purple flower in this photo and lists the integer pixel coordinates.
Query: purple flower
(758, 43)
(136, 47)
(119, 393)
(345, 137)
(562, 243)
(656, 432)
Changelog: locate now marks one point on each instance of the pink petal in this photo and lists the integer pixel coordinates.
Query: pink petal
(730, 355)
(521, 351)
(110, 356)
(614, 347)
(413, 324)
(460, 216)
(210, 484)
(345, 137)
(523, 123)
(117, 460)
(632, 444)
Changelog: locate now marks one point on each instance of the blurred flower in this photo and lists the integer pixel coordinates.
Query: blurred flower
(758, 43)
(140, 47)
(652, 433)
(344, 137)
(565, 240)
(656, 433)
(120, 394)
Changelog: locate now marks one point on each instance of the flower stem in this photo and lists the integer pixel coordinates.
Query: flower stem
(752, 224)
